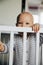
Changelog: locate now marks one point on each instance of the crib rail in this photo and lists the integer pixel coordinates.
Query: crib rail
(17, 29)
(12, 30)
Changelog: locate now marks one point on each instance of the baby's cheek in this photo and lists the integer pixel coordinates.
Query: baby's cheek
(19, 25)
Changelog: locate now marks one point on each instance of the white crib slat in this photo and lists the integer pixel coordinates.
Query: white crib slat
(37, 47)
(0, 35)
(24, 48)
(42, 54)
(11, 48)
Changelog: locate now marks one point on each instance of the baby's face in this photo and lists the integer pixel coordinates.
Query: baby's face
(25, 20)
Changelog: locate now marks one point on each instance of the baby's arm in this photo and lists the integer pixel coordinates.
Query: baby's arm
(36, 27)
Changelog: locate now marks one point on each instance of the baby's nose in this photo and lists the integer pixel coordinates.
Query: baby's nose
(23, 25)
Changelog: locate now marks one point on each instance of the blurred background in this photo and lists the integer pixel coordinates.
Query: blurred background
(9, 9)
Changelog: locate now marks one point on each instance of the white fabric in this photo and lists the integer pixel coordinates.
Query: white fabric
(30, 50)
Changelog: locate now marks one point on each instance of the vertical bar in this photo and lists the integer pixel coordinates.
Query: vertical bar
(24, 48)
(37, 48)
(0, 35)
(11, 48)
(1, 56)
(23, 5)
(42, 54)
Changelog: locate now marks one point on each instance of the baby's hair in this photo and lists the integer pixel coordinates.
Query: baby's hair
(18, 19)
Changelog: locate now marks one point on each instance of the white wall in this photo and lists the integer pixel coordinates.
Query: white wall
(38, 13)
(9, 9)
(35, 2)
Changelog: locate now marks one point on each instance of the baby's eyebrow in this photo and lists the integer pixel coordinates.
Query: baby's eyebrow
(27, 22)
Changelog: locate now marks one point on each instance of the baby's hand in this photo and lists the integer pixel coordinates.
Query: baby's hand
(2, 47)
(36, 27)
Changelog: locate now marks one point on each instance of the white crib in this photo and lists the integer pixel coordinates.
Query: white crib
(12, 30)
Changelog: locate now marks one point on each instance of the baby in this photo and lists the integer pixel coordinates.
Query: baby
(25, 19)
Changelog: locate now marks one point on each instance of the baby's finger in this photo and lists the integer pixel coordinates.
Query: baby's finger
(37, 28)
(33, 28)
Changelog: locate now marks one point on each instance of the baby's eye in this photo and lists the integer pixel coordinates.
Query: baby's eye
(19, 23)
(27, 23)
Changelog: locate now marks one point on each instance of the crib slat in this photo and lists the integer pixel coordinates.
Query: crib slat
(37, 47)
(24, 48)
(11, 48)
(42, 54)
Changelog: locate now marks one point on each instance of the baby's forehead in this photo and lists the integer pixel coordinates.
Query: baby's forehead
(26, 15)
